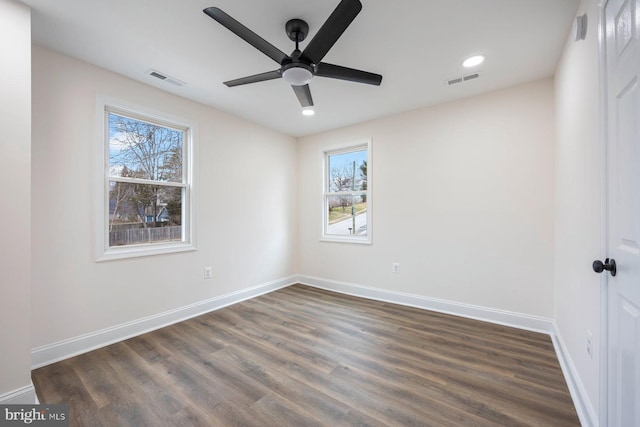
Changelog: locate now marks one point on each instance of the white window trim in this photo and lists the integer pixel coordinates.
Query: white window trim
(101, 215)
(345, 148)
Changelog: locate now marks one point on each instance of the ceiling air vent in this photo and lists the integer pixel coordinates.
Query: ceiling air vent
(157, 75)
(462, 79)
(165, 78)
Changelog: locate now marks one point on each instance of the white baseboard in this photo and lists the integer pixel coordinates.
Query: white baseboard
(581, 401)
(501, 317)
(61, 350)
(25, 395)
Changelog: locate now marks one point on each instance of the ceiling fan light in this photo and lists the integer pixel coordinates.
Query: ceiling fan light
(297, 76)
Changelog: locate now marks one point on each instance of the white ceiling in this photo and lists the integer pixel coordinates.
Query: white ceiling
(415, 44)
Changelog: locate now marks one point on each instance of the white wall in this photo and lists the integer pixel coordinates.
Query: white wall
(578, 212)
(246, 207)
(15, 157)
(462, 199)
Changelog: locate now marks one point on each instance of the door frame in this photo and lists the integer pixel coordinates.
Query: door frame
(604, 215)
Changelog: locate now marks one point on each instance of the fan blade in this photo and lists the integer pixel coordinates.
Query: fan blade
(246, 34)
(304, 95)
(331, 30)
(269, 75)
(343, 73)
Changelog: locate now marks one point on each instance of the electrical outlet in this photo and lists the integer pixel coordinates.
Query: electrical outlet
(589, 344)
(395, 267)
(208, 272)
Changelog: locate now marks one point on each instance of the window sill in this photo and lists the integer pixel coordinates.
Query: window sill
(360, 240)
(144, 250)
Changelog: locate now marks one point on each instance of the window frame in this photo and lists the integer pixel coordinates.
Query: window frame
(358, 145)
(104, 252)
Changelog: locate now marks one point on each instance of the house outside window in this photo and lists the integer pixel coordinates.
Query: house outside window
(347, 193)
(147, 185)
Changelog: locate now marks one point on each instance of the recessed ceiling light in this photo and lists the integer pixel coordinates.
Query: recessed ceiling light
(308, 112)
(473, 61)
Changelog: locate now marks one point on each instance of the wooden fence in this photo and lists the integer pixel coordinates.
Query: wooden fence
(138, 236)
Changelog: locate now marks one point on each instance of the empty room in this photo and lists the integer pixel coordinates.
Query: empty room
(320, 213)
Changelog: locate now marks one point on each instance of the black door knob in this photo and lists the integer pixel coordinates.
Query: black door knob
(609, 265)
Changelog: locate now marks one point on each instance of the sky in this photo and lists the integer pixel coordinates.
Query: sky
(342, 160)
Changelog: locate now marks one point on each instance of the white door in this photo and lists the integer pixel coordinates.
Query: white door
(623, 153)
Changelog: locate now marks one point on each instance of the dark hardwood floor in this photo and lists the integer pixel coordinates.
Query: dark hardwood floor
(306, 357)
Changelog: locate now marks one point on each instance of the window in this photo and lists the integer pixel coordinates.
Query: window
(347, 194)
(147, 188)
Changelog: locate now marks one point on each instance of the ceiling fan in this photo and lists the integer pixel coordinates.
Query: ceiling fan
(300, 67)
